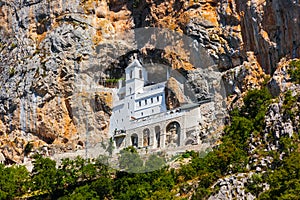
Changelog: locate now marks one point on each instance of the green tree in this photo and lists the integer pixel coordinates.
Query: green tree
(14, 181)
(154, 162)
(69, 173)
(103, 187)
(239, 131)
(44, 175)
(256, 104)
(82, 192)
(130, 161)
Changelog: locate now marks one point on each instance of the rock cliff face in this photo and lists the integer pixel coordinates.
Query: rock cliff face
(270, 29)
(174, 95)
(45, 44)
(281, 120)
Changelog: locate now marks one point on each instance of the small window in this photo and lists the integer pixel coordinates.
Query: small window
(130, 75)
(122, 120)
(130, 90)
(152, 110)
(127, 106)
(157, 98)
(140, 103)
(151, 100)
(145, 101)
(141, 74)
(142, 113)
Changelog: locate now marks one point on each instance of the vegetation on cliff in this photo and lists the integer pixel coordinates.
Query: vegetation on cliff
(294, 71)
(43, 43)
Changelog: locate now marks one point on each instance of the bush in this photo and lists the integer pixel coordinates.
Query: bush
(289, 106)
(294, 71)
(284, 181)
(28, 148)
(189, 154)
(256, 103)
(13, 181)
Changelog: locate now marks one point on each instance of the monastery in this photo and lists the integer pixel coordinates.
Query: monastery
(140, 117)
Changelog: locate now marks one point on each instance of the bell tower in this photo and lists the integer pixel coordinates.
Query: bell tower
(136, 76)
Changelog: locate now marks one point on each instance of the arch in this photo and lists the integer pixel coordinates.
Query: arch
(157, 135)
(146, 137)
(119, 141)
(134, 140)
(173, 130)
(190, 141)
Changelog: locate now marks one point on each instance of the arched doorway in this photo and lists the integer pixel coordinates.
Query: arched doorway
(146, 137)
(134, 140)
(157, 135)
(173, 134)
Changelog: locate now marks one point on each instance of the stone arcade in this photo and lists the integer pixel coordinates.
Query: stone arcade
(140, 117)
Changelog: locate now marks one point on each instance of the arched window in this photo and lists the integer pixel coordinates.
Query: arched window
(146, 137)
(173, 134)
(134, 140)
(157, 136)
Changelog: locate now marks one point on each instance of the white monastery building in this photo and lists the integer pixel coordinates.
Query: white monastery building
(140, 117)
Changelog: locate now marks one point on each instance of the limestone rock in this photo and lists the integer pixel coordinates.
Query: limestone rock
(237, 81)
(46, 46)
(265, 33)
(280, 81)
(232, 187)
(174, 94)
(278, 122)
(2, 158)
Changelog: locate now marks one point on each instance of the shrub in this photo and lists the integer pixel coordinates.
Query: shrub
(28, 148)
(294, 71)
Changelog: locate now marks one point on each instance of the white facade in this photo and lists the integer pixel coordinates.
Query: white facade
(140, 118)
(135, 100)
